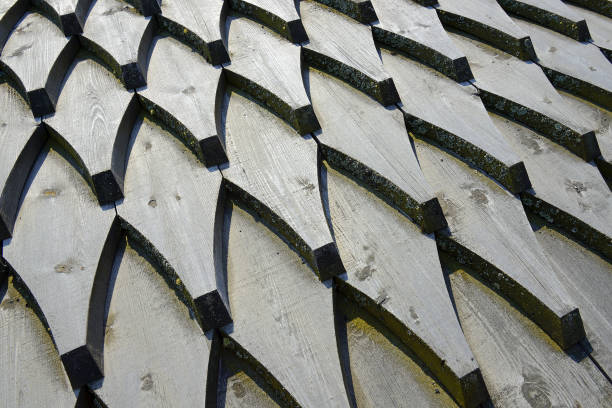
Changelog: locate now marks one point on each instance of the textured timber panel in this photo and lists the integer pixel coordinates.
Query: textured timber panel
(553, 14)
(276, 172)
(121, 37)
(418, 309)
(583, 272)
(59, 266)
(417, 31)
(599, 27)
(228, 203)
(293, 335)
(370, 142)
(344, 48)
(577, 197)
(490, 231)
(525, 95)
(486, 20)
(21, 142)
(185, 94)
(270, 69)
(452, 115)
(199, 23)
(36, 57)
(171, 205)
(32, 373)
(94, 117)
(155, 355)
(521, 368)
(579, 68)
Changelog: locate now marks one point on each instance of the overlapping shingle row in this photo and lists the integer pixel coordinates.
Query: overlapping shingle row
(296, 173)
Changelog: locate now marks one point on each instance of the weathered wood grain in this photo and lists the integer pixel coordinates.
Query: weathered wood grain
(270, 69)
(586, 276)
(344, 48)
(20, 140)
(521, 91)
(64, 262)
(185, 94)
(281, 16)
(275, 172)
(171, 211)
(10, 14)
(393, 271)
(417, 31)
(600, 120)
(451, 115)
(32, 372)
(520, 366)
(579, 68)
(370, 142)
(292, 338)
(553, 14)
(36, 58)
(94, 119)
(490, 232)
(70, 15)
(599, 27)
(241, 386)
(486, 20)
(603, 7)
(384, 372)
(155, 354)
(121, 37)
(567, 192)
(360, 10)
(198, 23)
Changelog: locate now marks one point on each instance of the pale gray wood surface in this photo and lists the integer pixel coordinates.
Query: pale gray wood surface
(600, 120)
(599, 26)
(240, 386)
(61, 259)
(393, 271)
(185, 93)
(279, 15)
(70, 15)
(94, 116)
(417, 31)
(21, 140)
(371, 143)
(283, 316)
(121, 37)
(489, 230)
(37, 56)
(269, 68)
(155, 354)
(580, 199)
(453, 116)
(521, 367)
(32, 372)
(486, 20)
(586, 277)
(171, 199)
(276, 172)
(579, 68)
(521, 90)
(385, 375)
(199, 23)
(11, 11)
(553, 14)
(345, 48)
